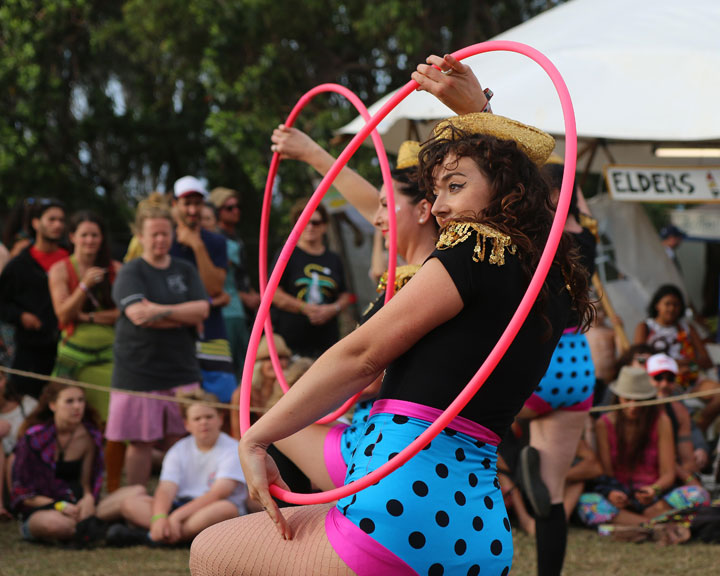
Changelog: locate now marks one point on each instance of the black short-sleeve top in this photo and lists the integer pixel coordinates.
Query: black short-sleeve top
(486, 268)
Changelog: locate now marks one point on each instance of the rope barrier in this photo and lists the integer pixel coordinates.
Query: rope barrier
(138, 393)
(657, 401)
(89, 386)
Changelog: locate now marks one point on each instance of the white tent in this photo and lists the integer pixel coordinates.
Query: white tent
(639, 72)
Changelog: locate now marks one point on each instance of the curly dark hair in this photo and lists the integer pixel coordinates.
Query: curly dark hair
(660, 293)
(520, 206)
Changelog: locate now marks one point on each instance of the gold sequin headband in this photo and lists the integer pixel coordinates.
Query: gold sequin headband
(408, 155)
(538, 145)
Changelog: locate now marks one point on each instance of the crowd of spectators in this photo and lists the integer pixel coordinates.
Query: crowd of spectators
(162, 337)
(172, 321)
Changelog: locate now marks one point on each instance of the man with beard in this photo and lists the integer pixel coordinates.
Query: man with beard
(25, 298)
(208, 252)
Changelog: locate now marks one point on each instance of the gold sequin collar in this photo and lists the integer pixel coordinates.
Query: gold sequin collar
(590, 223)
(457, 232)
(402, 277)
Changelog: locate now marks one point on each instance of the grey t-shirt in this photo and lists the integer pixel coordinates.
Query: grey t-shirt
(153, 358)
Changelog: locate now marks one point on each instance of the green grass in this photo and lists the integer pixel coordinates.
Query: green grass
(588, 555)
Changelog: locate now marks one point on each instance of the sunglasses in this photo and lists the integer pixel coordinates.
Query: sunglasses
(666, 376)
(230, 207)
(316, 222)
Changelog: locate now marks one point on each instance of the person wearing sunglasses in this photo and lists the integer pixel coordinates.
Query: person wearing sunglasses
(637, 453)
(312, 290)
(691, 447)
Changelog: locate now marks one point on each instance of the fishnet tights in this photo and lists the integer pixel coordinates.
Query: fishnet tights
(251, 546)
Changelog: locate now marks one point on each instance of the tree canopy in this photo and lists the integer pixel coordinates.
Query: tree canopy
(106, 100)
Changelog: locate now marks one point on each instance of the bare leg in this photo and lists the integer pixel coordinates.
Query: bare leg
(208, 516)
(110, 507)
(114, 460)
(50, 525)
(527, 522)
(250, 545)
(138, 510)
(660, 507)
(138, 463)
(306, 450)
(627, 518)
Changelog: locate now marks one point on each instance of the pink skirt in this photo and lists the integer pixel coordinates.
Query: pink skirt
(138, 419)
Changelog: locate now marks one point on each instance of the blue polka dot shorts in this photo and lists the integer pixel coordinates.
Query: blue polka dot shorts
(440, 513)
(352, 433)
(569, 381)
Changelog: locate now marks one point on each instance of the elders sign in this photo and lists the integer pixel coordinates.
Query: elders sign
(678, 184)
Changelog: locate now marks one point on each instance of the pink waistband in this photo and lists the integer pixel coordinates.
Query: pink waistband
(363, 555)
(334, 463)
(571, 330)
(430, 414)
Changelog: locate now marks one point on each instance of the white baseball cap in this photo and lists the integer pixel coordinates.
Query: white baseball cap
(189, 185)
(658, 363)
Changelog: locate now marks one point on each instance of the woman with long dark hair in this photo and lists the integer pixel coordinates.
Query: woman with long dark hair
(637, 452)
(441, 512)
(666, 330)
(80, 288)
(57, 472)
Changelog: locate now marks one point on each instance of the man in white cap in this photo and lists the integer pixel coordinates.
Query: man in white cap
(692, 450)
(208, 252)
(205, 249)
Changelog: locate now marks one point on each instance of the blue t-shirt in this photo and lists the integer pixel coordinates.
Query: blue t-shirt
(235, 308)
(216, 246)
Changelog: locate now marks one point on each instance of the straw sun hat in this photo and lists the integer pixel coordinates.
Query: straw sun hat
(538, 145)
(633, 384)
(263, 352)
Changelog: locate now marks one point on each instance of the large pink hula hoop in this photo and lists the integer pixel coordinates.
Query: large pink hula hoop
(525, 305)
(265, 224)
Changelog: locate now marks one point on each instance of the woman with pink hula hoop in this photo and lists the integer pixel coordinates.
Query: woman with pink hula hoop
(442, 512)
(322, 451)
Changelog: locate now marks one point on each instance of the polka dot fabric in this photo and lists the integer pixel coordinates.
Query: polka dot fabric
(570, 377)
(352, 433)
(440, 513)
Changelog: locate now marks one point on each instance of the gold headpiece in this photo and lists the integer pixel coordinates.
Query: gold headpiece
(538, 145)
(408, 155)
(555, 159)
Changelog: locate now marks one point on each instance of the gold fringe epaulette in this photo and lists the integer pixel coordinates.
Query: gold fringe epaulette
(457, 232)
(590, 223)
(402, 277)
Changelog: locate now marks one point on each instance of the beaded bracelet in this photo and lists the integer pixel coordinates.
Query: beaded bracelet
(157, 517)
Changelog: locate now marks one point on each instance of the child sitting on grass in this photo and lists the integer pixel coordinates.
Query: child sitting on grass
(201, 483)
